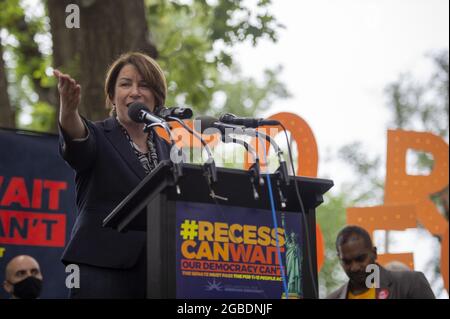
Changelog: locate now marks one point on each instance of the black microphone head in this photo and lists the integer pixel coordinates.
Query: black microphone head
(182, 112)
(202, 123)
(134, 111)
(227, 117)
(178, 112)
(162, 112)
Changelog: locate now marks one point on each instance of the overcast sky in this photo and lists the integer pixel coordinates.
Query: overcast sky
(338, 57)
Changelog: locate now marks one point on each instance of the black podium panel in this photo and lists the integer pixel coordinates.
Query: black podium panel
(235, 251)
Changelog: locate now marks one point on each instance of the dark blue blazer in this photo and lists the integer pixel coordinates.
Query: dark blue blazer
(106, 171)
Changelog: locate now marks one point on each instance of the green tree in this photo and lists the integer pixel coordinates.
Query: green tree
(422, 106)
(25, 69)
(7, 116)
(331, 217)
(193, 43)
(366, 187)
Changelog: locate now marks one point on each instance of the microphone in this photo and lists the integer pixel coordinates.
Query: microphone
(229, 118)
(177, 112)
(139, 113)
(203, 123)
(207, 122)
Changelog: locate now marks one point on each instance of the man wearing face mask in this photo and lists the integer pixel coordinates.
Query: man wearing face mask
(23, 278)
(356, 252)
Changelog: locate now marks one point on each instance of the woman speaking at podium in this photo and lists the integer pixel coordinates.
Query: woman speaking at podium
(109, 159)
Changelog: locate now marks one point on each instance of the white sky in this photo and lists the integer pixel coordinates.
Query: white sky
(338, 57)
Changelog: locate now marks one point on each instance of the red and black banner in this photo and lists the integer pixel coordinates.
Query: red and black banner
(37, 205)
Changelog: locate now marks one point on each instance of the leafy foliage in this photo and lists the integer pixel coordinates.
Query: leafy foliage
(27, 62)
(331, 217)
(194, 41)
(422, 106)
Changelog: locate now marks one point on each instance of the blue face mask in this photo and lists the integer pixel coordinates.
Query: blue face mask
(29, 288)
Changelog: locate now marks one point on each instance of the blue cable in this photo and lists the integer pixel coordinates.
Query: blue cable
(272, 204)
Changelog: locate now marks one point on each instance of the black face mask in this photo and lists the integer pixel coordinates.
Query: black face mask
(29, 288)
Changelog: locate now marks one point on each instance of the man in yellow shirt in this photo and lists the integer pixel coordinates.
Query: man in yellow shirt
(369, 294)
(358, 259)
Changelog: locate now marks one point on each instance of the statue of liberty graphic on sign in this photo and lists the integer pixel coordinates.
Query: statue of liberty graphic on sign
(293, 263)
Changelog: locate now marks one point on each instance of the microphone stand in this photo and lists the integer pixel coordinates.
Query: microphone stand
(254, 170)
(282, 171)
(209, 167)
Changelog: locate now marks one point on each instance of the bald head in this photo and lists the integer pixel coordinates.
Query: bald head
(23, 277)
(20, 267)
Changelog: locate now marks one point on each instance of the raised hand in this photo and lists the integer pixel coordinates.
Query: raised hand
(69, 99)
(69, 92)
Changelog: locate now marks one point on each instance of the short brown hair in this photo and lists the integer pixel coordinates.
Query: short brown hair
(149, 70)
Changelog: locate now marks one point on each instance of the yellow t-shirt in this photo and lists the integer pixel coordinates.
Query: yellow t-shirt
(369, 294)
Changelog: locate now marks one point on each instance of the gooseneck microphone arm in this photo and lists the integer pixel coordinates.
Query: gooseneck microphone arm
(250, 124)
(255, 168)
(229, 118)
(283, 171)
(187, 128)
(210, 162)
(165, 127)
(210, 170)
(226, 138)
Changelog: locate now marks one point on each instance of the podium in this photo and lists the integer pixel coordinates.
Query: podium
(202, 246)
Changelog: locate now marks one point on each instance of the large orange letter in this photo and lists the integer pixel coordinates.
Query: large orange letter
(308, 158)
(409, 189)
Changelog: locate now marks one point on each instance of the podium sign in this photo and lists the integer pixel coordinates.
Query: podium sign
(201, 247)
(231, 252)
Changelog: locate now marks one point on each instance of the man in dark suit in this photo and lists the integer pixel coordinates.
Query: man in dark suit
(367, 279)
(110, 158)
